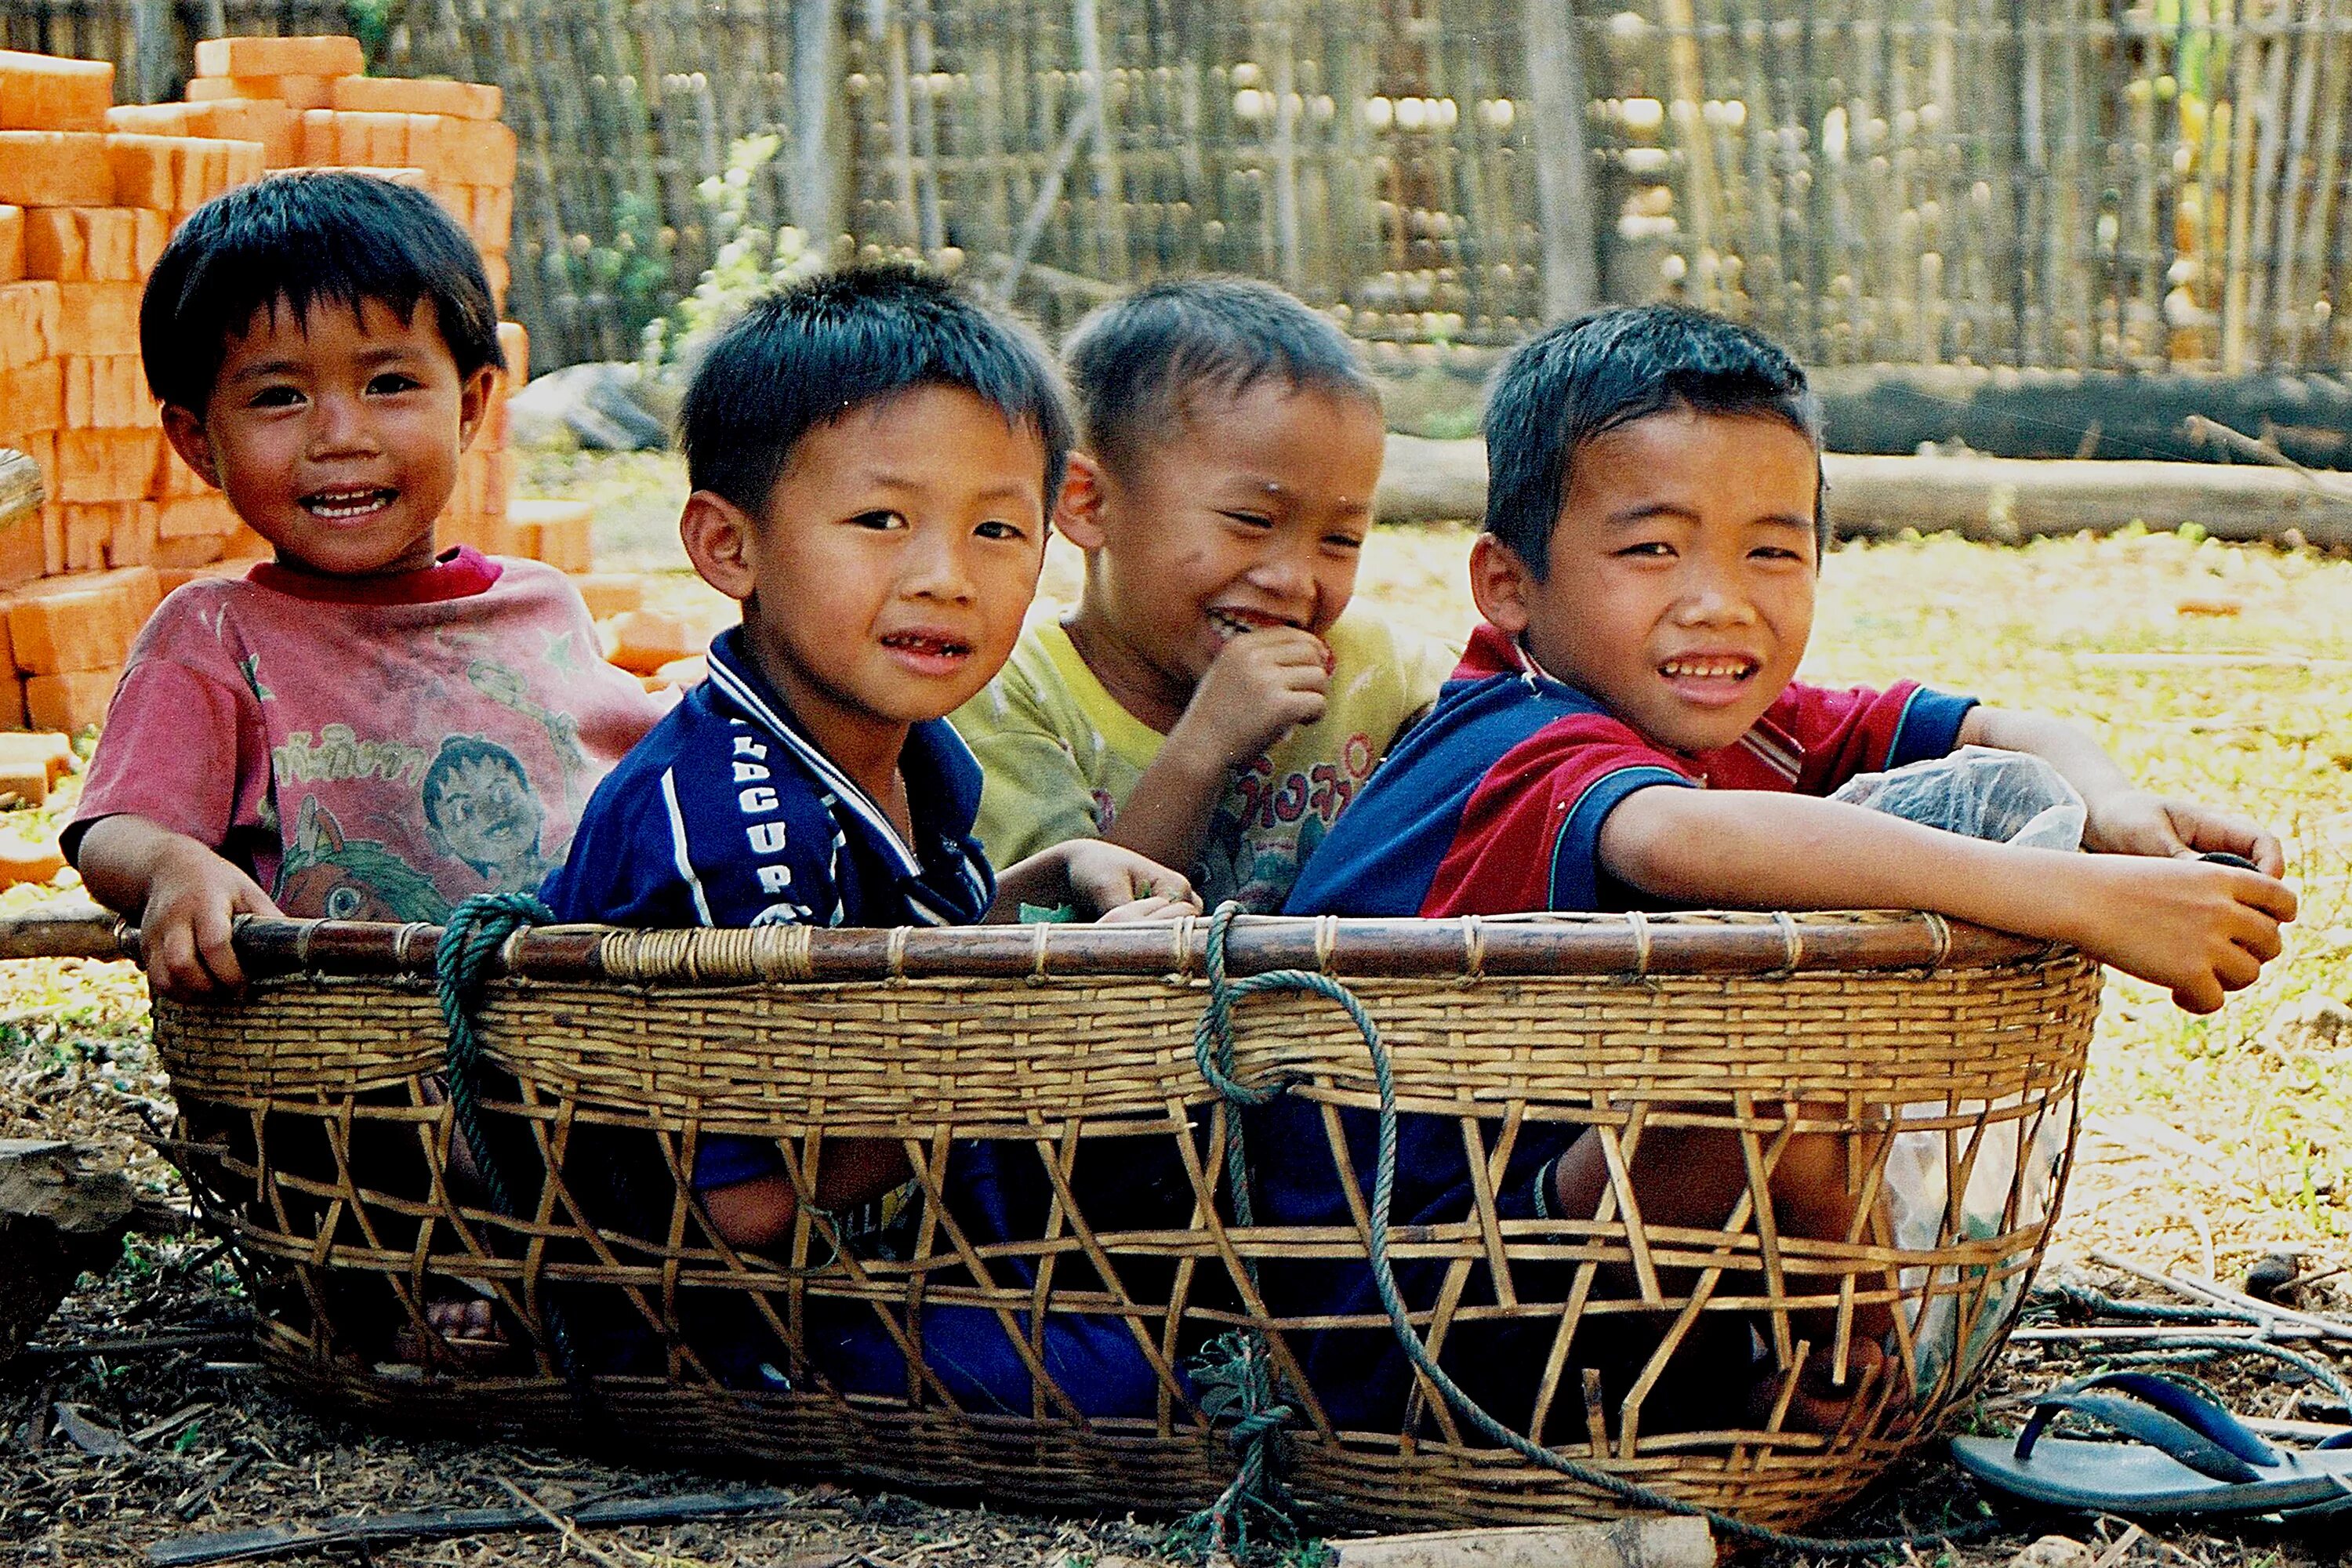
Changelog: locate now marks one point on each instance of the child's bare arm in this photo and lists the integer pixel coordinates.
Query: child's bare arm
(1260, 687)
(183, 895)
(2201, 931)
(2124, 819)
(1101, 881)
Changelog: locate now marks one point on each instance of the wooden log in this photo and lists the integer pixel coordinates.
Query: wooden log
(1996, 498)
(58, 1216)
(1654, 1542)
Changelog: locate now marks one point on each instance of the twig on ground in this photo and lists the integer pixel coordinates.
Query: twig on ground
(2120, 1549)
(138, 1344)
(2151, 1332)
(2331, 1328)
(571, 1536)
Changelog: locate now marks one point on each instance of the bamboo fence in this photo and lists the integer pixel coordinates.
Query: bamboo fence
(2092, 183)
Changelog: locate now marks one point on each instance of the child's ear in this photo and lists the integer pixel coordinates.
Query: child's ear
(185, 429)
(1077, 513)
(721, 541)
(474, 403)
(1500, 583)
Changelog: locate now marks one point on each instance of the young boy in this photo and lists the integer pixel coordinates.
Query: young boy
(1206, 704)
(1625, 730)
(324, 346)
(870, 454)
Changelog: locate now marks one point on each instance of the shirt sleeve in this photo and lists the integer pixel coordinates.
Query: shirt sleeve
(1531, 836)
(185, 749)
(1859, 730)
(1035, 795)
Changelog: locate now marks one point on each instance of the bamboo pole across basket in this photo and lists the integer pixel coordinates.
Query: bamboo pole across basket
(1070, 1197)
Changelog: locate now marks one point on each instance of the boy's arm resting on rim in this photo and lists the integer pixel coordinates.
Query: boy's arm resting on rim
(183, 895)
(2199, 930)
(1101, 881)
(2123, 818)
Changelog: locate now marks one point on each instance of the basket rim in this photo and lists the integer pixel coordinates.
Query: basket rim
(1630, 946)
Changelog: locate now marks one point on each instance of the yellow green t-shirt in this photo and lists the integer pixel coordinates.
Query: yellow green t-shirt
(1060, 756)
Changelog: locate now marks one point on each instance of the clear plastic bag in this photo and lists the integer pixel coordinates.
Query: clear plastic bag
(2013, 798)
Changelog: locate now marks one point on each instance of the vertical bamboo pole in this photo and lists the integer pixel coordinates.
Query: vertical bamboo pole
(1556, 92)
(1109, 250)
(1701, 197)
(921, 41)
(2310, 49)
(2260, 311)
(2243, 92)
(2336, 93)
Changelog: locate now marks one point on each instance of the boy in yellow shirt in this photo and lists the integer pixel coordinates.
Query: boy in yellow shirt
(1206, 704)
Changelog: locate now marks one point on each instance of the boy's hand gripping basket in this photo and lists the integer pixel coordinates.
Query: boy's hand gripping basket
(1055, 1308)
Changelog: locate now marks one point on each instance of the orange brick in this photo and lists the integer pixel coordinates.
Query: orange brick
(179, 561)
(493, 219)
(641, 641)
(40, 760)
(152, 119)
(45, 92)
(71, 702)
(106, 464)
(52, 538)
(12, 244)
(107, 392)
(317, 54)
(99, 318)
(82, 622)
(245, 545)
(555, 532)
(133, 540)
(150, 231)
(406, 95)
(206, 516)
(297, 93)
(263, 119)
(28, 322)
(55, 169)
(484, 149)
(609, 594)
(32, 397)
(12, 703)
(22, 556)
(146, 169)
(314, 139)
(380, 141)
(515, 342)
(75, 245)
(496, 271)
(88, 529)
(492, 435)
(245, 162)
(175, 478)
(421, 146)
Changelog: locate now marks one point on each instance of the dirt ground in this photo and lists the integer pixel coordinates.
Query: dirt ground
(2207, 1142)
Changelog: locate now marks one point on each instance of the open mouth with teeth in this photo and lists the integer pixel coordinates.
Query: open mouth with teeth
(927, 647)
(343, 506)
(1732, 667)
(1231, 624)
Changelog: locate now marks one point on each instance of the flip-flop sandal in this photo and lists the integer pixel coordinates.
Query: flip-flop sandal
(2190, 1456)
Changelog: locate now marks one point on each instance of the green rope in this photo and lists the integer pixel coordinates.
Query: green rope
(469, 945)
(1213, 1048)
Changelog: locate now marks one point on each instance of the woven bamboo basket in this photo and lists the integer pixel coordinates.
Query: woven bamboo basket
(316, 1121)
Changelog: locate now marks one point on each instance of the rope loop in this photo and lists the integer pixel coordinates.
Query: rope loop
(1240, 1357)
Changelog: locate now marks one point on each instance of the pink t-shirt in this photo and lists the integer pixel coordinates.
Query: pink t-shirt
(370, 749)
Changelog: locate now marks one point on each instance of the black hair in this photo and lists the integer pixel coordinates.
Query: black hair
(1562, 388)
(807, 354)
(1136, 362)
(302, 238)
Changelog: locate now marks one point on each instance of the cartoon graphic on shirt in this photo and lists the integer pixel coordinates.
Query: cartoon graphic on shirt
(482, 810)
(351, 878)
(506, 689)
(1254, 853)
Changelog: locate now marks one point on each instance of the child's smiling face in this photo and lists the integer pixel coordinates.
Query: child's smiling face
(1250, 512)
(1680, 588)
(335, 434)
(886, 579)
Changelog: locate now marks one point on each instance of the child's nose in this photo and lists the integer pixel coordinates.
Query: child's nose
(938, 569)
(1288, 575)
(337, 424)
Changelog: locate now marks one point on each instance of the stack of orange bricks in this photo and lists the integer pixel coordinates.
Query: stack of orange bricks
(90, 192)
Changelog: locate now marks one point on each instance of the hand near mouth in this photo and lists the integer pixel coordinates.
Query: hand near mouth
(1259, 687)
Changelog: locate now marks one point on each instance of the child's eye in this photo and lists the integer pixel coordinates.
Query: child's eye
(879, 520)
(391, 382)
(1776, 552)
(1651, 550)
(995, 527)
(1249, 518)
(276, 397)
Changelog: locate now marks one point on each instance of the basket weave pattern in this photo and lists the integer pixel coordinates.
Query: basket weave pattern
(315, 1119)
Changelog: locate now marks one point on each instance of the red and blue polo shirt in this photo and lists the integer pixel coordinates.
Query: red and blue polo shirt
(1493, 805)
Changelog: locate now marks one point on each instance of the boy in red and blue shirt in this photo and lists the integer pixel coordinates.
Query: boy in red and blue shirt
(1626, 730)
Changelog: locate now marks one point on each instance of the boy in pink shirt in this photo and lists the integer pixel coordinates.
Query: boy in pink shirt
(367, 726)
